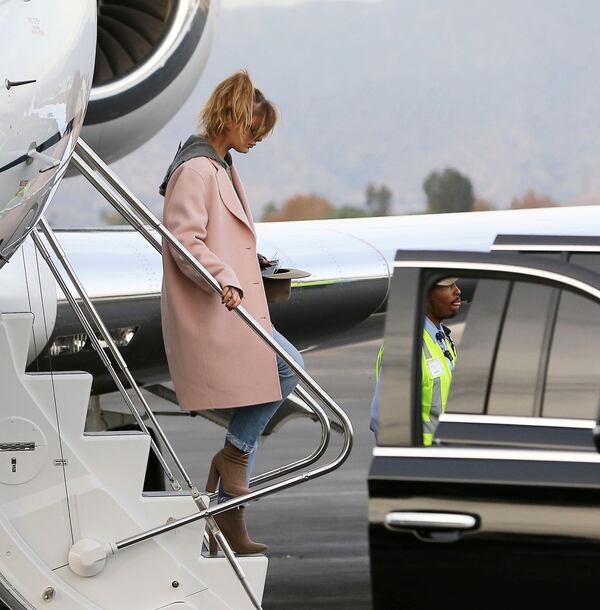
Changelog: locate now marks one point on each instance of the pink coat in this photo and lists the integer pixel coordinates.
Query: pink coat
(215, 359)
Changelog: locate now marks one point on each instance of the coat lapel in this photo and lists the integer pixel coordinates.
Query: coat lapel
(235, 202)
(241, 193)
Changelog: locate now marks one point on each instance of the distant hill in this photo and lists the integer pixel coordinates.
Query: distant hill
(506, 92)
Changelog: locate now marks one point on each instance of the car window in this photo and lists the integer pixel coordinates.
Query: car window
(589, 261)
(479, 329)
(521, 350)
(501, 349)
(528, 350)
(572, 385)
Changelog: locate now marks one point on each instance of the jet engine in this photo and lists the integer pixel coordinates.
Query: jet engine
(149, 56)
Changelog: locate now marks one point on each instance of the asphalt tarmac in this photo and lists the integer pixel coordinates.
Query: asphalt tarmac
(317, 531)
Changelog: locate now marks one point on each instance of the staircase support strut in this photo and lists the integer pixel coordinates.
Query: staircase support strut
(58, 251)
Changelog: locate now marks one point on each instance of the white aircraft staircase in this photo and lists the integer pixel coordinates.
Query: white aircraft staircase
(76, 530)
(67, 486)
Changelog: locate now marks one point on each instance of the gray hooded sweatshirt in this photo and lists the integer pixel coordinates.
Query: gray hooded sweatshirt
(195, 146)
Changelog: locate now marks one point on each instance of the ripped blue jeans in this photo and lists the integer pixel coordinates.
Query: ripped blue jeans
(248, 423)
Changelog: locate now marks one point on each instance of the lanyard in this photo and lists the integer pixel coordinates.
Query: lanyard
(442, 338)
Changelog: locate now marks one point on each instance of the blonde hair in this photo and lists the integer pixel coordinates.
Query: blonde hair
(235, 101)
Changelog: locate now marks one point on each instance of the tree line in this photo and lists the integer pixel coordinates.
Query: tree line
(378, 202)
(451, 191)
(447, 190)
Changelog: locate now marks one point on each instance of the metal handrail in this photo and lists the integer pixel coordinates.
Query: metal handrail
(196, 496)
(310, 459)
(98, 348)
(280, 471)
(55, 245)
(87, 163)
(83, 158)
(302, 397)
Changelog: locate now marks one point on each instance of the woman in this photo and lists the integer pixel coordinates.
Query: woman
(216, 361)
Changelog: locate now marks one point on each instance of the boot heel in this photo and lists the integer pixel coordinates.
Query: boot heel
(212, 482)
(212, 545)
(233, 527)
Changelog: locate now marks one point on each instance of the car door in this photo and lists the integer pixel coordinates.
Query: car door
(504, 508)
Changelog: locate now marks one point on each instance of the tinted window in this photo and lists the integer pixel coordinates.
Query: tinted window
(589, 261)
(477, 346)
(573, 379)
(502, 349)
(528, 350)
(521, 352)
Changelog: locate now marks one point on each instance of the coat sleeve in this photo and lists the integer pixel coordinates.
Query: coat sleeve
(186, 217)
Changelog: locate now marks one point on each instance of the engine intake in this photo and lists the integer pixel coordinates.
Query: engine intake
(149, 55)
(129, 31)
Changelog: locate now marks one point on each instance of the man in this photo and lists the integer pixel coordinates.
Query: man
(438, 357)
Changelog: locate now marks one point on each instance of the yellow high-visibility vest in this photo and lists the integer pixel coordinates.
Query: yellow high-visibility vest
(436, 375)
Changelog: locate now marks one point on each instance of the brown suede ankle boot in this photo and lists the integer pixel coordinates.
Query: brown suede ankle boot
(232, 524)
(230, 465)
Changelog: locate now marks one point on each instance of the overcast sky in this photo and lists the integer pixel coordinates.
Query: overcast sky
(389, 91)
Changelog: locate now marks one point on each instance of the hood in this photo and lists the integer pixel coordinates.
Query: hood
(194, 146)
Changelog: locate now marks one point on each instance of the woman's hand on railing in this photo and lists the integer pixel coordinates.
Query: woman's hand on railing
(231, 297)
(263, 261)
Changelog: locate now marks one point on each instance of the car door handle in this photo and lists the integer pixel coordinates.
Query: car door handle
(430, 521)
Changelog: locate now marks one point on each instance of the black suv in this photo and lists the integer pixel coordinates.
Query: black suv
(504, 509)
